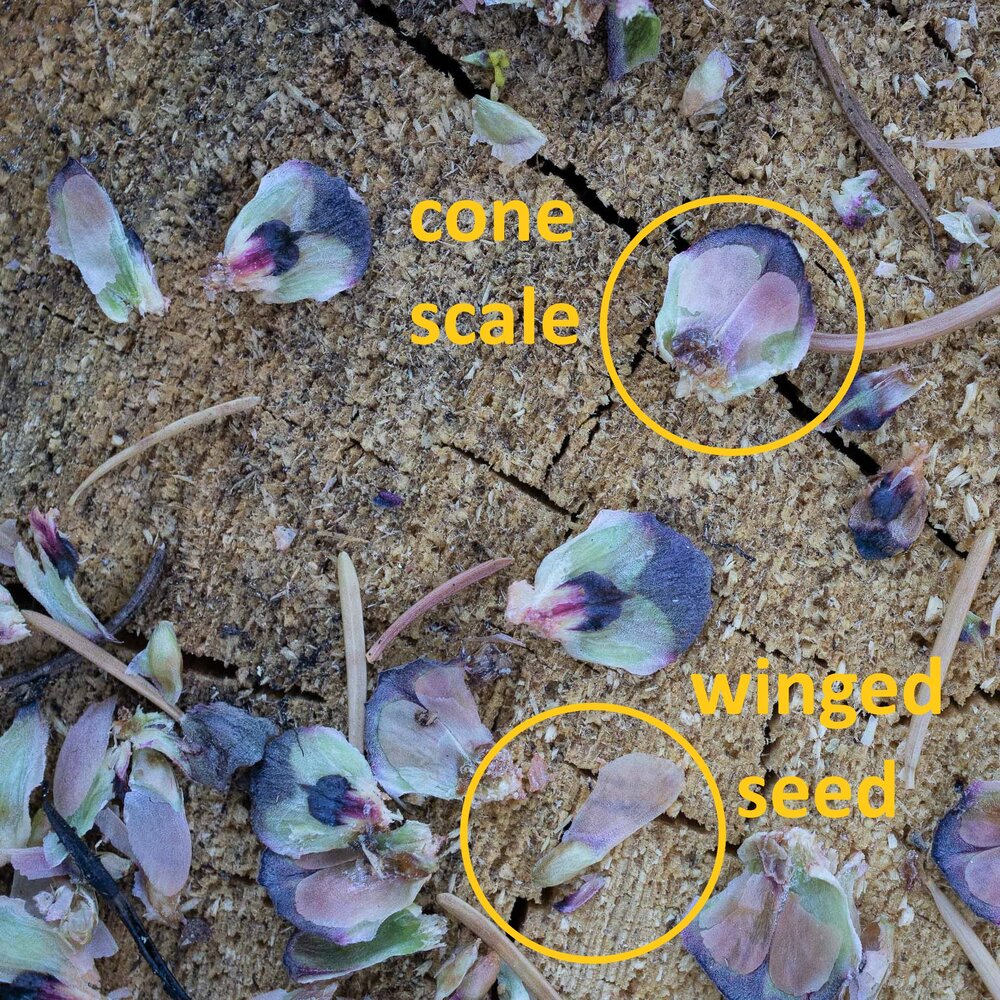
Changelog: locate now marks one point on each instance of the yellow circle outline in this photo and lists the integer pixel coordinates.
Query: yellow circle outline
(592, 706)
(728, 199)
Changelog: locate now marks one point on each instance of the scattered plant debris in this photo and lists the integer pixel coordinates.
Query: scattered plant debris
(855, 203)
(590, 886)
(705, 89)
(628, 592)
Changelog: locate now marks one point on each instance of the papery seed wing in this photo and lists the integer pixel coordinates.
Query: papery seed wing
(877, 940)
(84, 227)
(351, 904)
(735, 928)
(803, 952)
(310, 958)
(8, 541)
(512, 139)
(82, 755)
(449, 977)
(630, 792)
(22, 751)
(318, 992)
(156, 824)
(100, 793)
(510, 986)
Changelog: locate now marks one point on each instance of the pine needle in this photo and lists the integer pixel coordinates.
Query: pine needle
(352, 618)
(866, 130)
(494, 938)
(923, 330)
(181, 426)
(978, 954)
(946, 641)
(108, 663)
(437, 596)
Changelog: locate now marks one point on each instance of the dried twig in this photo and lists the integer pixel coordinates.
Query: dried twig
(172, 430)
(978, 954)
(981, 307)
(494, 938)
(93, 870)
(867, 132)
(437, 596)
(100, 658)
(39, 676)
(352, 617)
(946, 641)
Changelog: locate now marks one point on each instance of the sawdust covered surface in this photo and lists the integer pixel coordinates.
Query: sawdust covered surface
(494, 451)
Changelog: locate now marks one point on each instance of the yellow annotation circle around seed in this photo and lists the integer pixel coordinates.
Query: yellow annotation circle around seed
(731, 199)
(566, 956)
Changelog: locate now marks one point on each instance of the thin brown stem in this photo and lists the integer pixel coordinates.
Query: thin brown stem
(172, 430)
(109, 664)
(352, 618)
(946, 641)
(39, 676)
(920, 332)
(978, 954)
(437, 596)
(491, 935)
(866, 131)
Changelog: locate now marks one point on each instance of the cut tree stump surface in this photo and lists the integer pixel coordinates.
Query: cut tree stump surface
(496, 451)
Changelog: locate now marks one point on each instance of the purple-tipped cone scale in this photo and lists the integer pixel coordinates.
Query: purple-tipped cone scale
(304, 235)
(967, 848)
(314, 792)
(49, 579)
(736, 312)
(788, 928)
(423, 733)
(892, 509)
(341, 895)
(873, 398)
(630, 792)
(628, 592)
